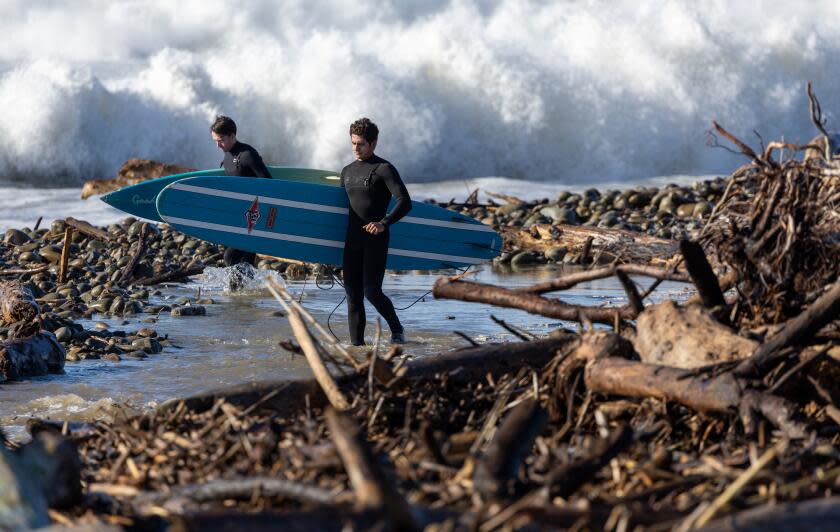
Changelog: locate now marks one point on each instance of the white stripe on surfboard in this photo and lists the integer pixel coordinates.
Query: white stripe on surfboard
(263, 199)
(323, 208)
(314, 241)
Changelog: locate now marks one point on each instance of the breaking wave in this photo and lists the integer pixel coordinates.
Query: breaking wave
(561, 92)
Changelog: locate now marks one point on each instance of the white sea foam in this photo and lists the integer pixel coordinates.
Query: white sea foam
(554, 91)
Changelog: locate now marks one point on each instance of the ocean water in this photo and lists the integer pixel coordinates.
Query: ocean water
(565, 91)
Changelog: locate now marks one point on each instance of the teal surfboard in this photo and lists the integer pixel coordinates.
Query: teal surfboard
(139, 200)
(308, 222)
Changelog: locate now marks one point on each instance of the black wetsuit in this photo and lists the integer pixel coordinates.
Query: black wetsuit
(370, 185)
(243, 161)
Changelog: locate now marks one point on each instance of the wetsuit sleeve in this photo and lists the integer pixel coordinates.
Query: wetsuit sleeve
(395, 184)
(257, 165)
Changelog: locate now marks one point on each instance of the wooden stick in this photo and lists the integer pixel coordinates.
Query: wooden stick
(319, 370)
(632, 292)
(286, 300)
(65, 254)
(373, 491)
(87, 229)
(702, 275)
(568, 281)
(534, 304)
(743, 479)
(140, 250)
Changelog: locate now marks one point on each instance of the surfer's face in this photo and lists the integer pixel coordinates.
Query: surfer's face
(224, 142)
(362, 149)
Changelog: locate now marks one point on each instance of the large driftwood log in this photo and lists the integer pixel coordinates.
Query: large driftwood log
(686, 337)
(288, 396)
(627, 246)
(607, 371)
(17, 303)
(36, 355)
(503, 297)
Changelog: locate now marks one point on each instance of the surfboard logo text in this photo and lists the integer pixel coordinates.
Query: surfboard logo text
(138, 200)
(272, 212)
(252, 215)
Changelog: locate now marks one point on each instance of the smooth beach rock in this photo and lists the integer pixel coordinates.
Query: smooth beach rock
(150, 345)
(191, 310)
(556, 253)
(524, 258)
(15, 236)
(39, 354)
(686, 210)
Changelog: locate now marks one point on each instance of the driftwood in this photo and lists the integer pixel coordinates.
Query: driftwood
(823, 311)
(609, 243)
(499, 465)
(534, 304)
(724, 393)
(686, 337)
(566, 479)
(819, 515)
(180, 498)
(569, 280)
(372, 489)
(36, 355)
(172, 276)
(139, 251)
(65, 254)
(702, 275)
(87, 229)
(17, 303)
(322, 374)
(288, 396)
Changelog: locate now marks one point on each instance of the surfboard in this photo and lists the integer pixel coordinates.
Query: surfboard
(139, 200)
(308, 222)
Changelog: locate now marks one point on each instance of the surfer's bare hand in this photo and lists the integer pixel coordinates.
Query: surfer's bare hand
(375, 228)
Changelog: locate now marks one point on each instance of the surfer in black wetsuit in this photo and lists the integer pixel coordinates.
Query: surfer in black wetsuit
(370, 181)
(240, 160)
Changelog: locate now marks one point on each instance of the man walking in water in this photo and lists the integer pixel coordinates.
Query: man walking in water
(370, 181)
(240, 160)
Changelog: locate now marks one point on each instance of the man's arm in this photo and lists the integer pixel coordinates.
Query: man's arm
(256, 164)
(395, 184)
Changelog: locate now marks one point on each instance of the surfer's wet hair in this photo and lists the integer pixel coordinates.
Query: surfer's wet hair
(223, 125)
(365, 128)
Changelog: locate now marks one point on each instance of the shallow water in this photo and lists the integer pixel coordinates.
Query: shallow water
(237, 341)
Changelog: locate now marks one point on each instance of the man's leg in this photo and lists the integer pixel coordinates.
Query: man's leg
(354, 288)
(235, 256)
(376, 254)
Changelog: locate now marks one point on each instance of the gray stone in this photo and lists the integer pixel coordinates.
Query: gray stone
(560, 215)
(686, 210)
(64, 334)
(555, 253)
(15, 236)
(508, 208)
(608, 219)
(191, 310)
(150, 345)
(524, 258)
(702, 209)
